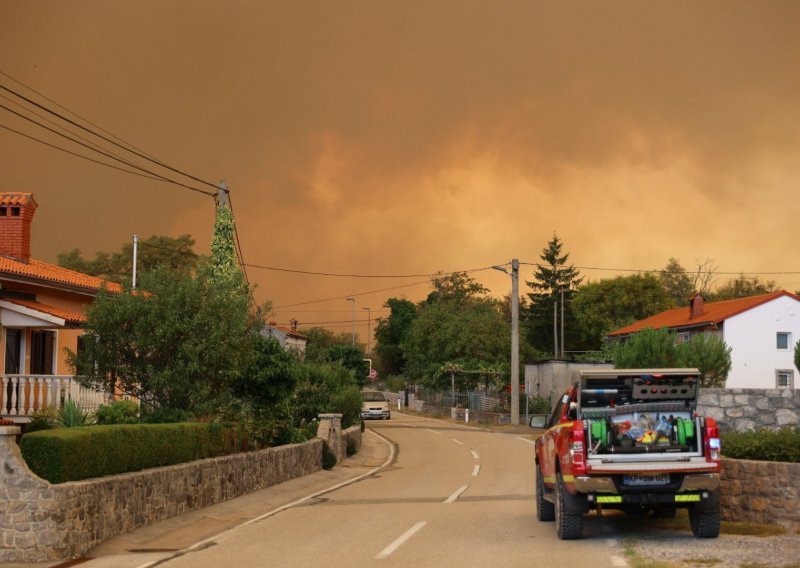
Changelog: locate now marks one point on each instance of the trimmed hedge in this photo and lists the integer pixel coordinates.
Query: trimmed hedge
(781, 445)
(70, 454)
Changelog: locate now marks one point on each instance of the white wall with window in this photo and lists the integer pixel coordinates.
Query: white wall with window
(762, 340)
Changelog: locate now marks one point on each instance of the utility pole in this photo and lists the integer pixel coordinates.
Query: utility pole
(515, 341)
(223, 193)
(135, 254)
(563, 350)
(514, 338)
(352, 299)
(555, 329)
(369, 330)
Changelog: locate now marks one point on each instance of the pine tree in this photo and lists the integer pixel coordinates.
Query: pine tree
(551, 276)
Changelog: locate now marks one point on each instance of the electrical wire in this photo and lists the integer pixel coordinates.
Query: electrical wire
(312, 273)
(662, 271)
(351, 295)
(55, 124)
(107, 139)
(78, 155)
(107, 155)
(73, 113)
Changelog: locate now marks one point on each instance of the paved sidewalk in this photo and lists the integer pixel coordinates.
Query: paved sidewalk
(162, 540)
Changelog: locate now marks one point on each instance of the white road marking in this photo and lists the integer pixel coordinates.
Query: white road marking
(434, 431)
(386, 552)
(475, 454)
(459, 442)
(525, 439)
(476, 470)
(457, 494)
(205, 542)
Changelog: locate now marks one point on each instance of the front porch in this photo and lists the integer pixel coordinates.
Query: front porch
(22, 395)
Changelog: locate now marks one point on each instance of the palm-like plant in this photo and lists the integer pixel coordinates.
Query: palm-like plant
(70, 415)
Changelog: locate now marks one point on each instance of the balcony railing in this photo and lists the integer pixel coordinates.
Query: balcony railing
(22, 395)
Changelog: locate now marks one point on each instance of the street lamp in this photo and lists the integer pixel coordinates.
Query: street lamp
(369, 329)
(352, 299)
(514, 338)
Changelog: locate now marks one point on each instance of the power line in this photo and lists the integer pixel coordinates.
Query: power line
(73, 113)
(79, 155)
(343, 275)
(351, 295)
(107, 155)
(661, 271)
(137, 153)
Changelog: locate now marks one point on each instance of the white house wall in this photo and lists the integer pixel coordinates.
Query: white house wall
(752, 336)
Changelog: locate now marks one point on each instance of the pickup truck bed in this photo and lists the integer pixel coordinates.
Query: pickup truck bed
(629, 440)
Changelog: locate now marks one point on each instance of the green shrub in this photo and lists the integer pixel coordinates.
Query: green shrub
(328, 457)
(42, 419)
(348, 403)
(781, 445)
(352, 446)
(68, 454)
(119, 412)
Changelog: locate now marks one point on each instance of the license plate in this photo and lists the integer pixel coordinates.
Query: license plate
(646, 479)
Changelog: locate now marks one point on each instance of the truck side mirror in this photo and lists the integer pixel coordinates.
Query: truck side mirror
(538, 421)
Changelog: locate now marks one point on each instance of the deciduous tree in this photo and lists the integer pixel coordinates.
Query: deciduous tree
(741, 287)
(601, 307)
(677, 283)
(390, 334)
(660, 349)
(177, 346)
(155, 251)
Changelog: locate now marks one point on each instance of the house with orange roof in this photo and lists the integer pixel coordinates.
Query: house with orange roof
(760, 330)
(289, 338)
(42, 310)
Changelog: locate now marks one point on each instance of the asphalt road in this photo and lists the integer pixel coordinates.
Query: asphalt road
(454, 496)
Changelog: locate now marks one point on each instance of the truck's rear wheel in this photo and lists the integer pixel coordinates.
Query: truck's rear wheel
(569, 526)
(545, 510)
(705, 524)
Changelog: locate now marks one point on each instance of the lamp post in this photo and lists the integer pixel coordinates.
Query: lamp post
(352, 299)
(369, 329)
(514, 338)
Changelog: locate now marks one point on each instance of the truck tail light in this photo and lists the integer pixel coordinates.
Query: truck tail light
(712, 441)
(577, 449)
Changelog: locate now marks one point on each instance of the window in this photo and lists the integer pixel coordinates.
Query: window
(784, 379)
(13, 351)
(42, 351)
(784, 339)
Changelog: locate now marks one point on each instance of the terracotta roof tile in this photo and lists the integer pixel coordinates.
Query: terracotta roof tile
(38, 270)
(714, 313)
(16, 199)
(69, 317)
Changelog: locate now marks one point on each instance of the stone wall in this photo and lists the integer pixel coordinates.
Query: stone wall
(351, 440)
(745, 409)
(41, 521)
(760, 492)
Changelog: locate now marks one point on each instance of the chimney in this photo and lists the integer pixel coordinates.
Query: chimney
(696, 306)
(294, 325)
(16, 215)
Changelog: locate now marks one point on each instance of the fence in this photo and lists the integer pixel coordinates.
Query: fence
(22, 395)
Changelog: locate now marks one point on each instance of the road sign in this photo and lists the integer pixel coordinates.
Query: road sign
(373, 374)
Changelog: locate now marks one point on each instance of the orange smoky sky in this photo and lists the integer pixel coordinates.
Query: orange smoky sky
(395, 138)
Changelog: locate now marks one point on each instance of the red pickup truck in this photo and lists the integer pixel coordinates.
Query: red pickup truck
(628, 439)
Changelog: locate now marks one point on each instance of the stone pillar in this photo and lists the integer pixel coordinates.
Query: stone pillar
(330, 430)
(26, 532)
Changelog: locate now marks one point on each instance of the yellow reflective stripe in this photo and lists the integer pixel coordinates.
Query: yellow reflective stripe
(687, 498)
(549, 478)
(609, 499)
(568, 478)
